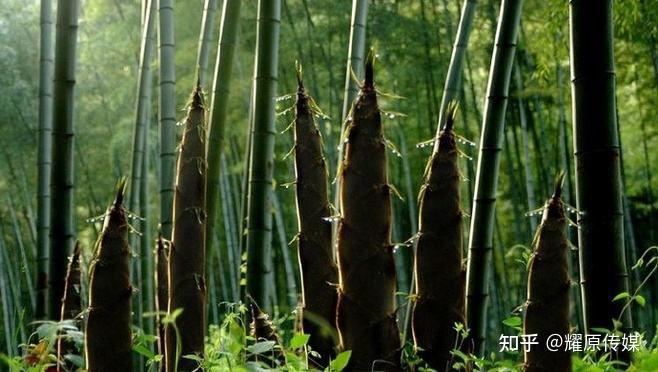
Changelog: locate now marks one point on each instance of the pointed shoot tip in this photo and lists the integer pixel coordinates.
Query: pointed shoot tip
(559, 183)
(120, 190)
(77, 248)
(451, 114)
(369, 80)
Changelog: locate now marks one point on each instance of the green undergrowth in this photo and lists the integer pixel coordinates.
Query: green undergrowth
(229, 347)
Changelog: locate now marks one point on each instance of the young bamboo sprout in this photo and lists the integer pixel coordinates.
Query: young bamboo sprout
(161, 282)
(187, 286)
(547, 309)
(315, 254)
(71, 304)
(261, 329)
(440, 274)
(366, 313)
(108, 340)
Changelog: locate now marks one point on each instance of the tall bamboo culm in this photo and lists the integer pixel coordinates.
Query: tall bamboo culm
(261, 160)
(62, 227)
(217, 115)
(482, 216)
(205, 40)
(455, 68)
(597, 163)
(167, 114)
(355, 59)
(140, 131)
(44, 155)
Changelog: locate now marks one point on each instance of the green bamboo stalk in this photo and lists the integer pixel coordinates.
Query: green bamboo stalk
(259, 218)
(215, 290)
(365, 314)
(231, 270)
(62, 228)
(430, 91)
(547, 307)
(315, 253)
(648, 192)
(187, 285)
(108, 343)
(24, 265)
(406, 257)
(480, 240)
(355, 55)
(205, 39)
(217, 115)
(16, 306)
(438, 268)
(291, 293)
(143, 98)
(453, 81)
(44, 155)
(146, 248)
(598, 174)
(161, 278)
(355, 59)
(10, 347)
(167, 113)
(529, 182)
(565, 163)
(140, 131)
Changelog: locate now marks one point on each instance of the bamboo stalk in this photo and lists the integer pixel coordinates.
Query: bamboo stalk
(217, 116)
(259, 217)
(529, 182)
(24, 265)
(167, 114)
(146, 245)
(355, 60)
(482, 216)
(291, 292)
(230, 270)
(598, 174)
(16, 290)
(453, 81)
(140, 132)
(5, 285)
(62, 227)
(44, 155)
(205, 39)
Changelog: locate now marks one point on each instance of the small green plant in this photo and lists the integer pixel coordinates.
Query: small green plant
(40, 351)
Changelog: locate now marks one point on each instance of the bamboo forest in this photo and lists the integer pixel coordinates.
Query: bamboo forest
(328, 185)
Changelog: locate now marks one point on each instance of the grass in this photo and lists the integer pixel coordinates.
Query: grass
(229, 347)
